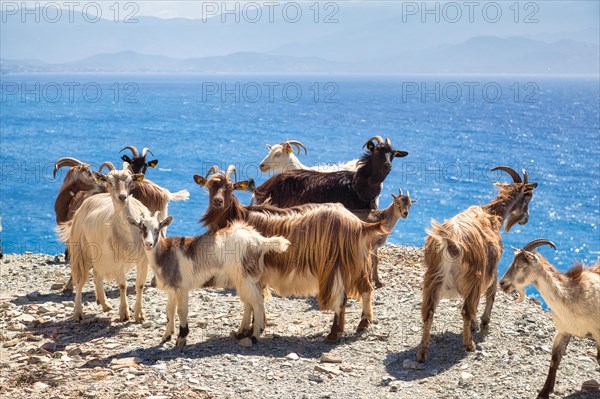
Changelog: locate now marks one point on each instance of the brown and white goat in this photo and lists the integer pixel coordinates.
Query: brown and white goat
(390, 215)
(574, 298)
(461, 256)
(359, 189)
(231, 257)
(281, 157)
(100, 238)
(329, 256)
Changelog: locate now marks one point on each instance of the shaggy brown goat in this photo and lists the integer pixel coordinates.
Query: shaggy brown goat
(461, 256)
(574, 298)
(396, 210)
(355, 190)
(329, 254)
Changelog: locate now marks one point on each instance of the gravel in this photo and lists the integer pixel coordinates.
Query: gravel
(45, 354)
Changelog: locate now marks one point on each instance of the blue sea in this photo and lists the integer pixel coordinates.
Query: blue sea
(454, 128)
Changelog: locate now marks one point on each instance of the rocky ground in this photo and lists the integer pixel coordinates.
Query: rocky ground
(45, 354)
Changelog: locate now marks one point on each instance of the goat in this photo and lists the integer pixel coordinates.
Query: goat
(396, 210)
(574, 298)
(281, 157)
(81, 183)
(461, 256)
(354, 190)
(138, 162)
(100, 237)
(231, 256)
(329, 254)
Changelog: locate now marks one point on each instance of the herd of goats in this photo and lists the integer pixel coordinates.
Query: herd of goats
(307, 232)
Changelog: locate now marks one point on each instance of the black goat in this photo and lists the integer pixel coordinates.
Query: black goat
(354, 190)
(138, 162)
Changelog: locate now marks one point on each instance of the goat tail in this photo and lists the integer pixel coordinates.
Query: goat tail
(182, 195)
(64, 231)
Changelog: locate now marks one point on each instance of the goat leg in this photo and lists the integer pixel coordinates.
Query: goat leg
(559, 346)
(429, 304)
(124, 306)
(171, 306)
(182, 312)
(339, 320)
(469, 314)
(490, 297)
(140, 280)
(244, 329)
(598, 353)
(374, 272)
(366, 317)
(100, 293)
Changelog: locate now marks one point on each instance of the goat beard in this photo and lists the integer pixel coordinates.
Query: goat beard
(512, 220)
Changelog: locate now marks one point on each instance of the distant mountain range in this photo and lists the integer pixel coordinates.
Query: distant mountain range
(366, 39)
(479, 55)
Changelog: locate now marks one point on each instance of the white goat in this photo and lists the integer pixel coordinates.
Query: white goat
(281, 157)
(574, 298)
(99, 237)
(231, 257)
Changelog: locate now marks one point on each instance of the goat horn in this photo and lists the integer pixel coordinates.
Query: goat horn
(146, 150)
(298, 145)
(66, 161)
(213, 169)
(379, 140)
(127, 166)
(387, 141)
(107, 164)
(400, 191)
(133, 150)
(513, 173)
(539, 242)
(525, 177)
(230, 169)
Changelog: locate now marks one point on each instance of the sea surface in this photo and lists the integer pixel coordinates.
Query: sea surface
(454, 128)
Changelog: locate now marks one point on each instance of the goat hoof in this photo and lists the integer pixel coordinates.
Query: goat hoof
(67, 290)
(166, 339)
(378, 284)
(180, 342)
(106, 308)
(153, 282)
(254, 340)
(332, 338)
(124, 317)
(363, 325)
(485, 327)
(543, 395)
(242, 335)
(470, 347)
(421, 355)
(139, 317)
(77, 317)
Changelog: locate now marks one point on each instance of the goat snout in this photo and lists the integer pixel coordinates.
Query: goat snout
(387, 166)
(148, 244)
(504, 284)
(122, 197)
(524, 219)
(404, 215)
(218, 202)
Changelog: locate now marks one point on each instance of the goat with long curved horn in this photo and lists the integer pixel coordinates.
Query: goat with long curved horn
(231, 169)
(133, 149)
(108, 165)
(145, 151)
(213, 169)
(379, 140)
(513, 173)
(66, 161)
(538, 243)
(296, 144)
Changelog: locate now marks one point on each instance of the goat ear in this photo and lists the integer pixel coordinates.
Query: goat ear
(412, 201)
(153, 163)
(132, 222)
(241, 185)
(268, 146)
(288, 148)
(101, 177)
(138, 177)
(400, 154)
(200, 180)
(126, 158)
(531, 186)
(370, 146)
(394, 196)
(165, 222)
